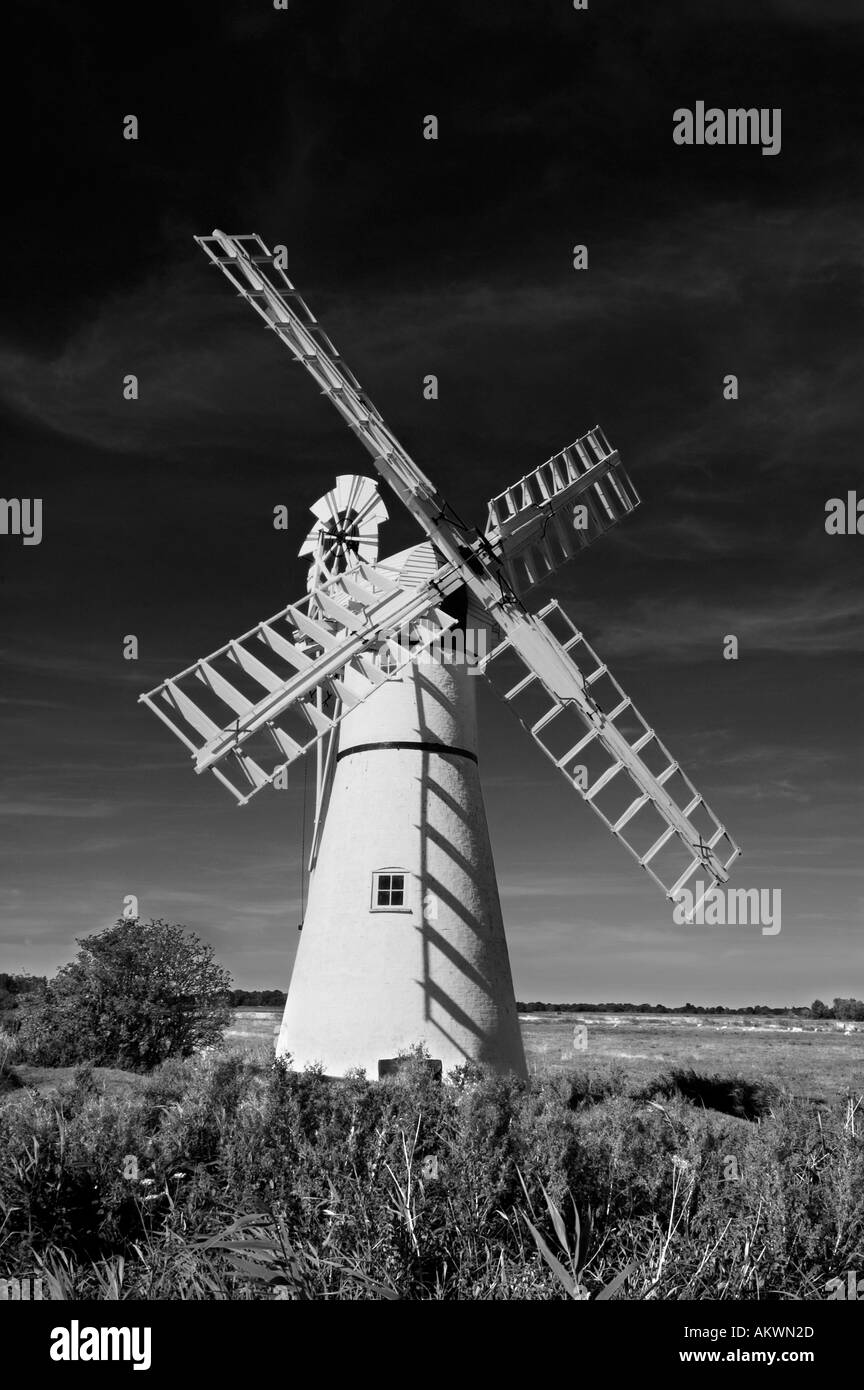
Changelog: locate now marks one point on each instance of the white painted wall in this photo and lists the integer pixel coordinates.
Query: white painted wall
(369, 984)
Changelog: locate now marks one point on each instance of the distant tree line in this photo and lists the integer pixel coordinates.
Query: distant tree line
(850, 1010)
(846, 1009)
(261, 998)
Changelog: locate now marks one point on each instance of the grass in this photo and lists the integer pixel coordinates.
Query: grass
(230, 1177)
(818, 1063)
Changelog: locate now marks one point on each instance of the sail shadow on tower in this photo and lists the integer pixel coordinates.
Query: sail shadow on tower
(403, 939)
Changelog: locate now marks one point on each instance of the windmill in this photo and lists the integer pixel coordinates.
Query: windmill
(403, 940)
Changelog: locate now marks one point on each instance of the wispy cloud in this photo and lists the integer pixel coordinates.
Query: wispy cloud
(208, 373)
(812, 621)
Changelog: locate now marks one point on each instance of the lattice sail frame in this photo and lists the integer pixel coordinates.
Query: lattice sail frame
(216, 708)
(534, 524)
(604, 747)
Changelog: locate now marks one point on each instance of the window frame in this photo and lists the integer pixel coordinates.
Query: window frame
(389, 872)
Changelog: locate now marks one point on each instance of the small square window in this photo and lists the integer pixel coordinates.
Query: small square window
(388, 889)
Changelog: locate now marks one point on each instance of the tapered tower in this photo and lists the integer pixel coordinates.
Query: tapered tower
(403, 940)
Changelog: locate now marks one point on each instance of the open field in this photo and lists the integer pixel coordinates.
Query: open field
(817, 1061)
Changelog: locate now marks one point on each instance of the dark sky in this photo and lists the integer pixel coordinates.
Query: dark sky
(452, 257)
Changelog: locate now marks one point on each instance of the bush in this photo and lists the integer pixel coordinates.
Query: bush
(731, 1095)
(136, 994)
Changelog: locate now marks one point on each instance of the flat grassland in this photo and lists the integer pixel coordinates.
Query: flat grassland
(816, 1061)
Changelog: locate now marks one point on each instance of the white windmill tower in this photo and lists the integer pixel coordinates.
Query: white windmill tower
(403, 941)
(403, 937)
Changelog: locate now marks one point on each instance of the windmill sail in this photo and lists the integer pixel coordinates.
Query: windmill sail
(546, 518)
(252, 707)
(578, 715)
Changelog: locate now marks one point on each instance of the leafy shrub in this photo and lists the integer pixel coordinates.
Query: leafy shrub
(736, 1095)
(137, 993)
